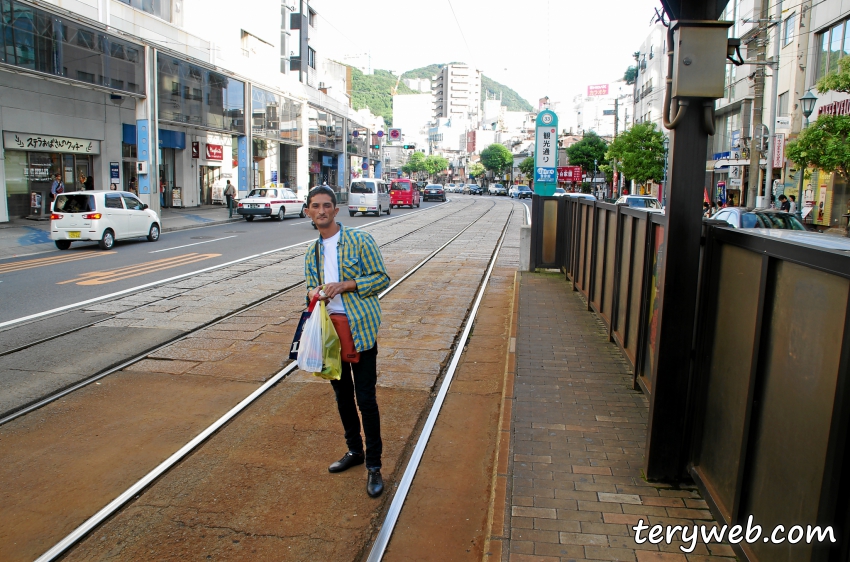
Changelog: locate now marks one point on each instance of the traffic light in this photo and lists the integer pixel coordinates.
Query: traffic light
(376, 146)
(409, 147)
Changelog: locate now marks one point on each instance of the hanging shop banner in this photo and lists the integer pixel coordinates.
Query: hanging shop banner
(196, 149)
(49, 143)
(597, 90)
(778, 150)
(215, 152)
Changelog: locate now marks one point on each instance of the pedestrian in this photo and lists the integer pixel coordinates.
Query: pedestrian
(714, 208)
(229, 194)
(81, 182)
(58, 186)
(89, 183)
(352, 275)
(162, 192)
(706, 209)
(792, 204)
(784, 205)
(773, 201)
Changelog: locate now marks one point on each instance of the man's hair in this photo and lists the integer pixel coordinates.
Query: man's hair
(782, 196)
(322, 190)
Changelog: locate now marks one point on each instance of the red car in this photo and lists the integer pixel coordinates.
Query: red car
(403, 192)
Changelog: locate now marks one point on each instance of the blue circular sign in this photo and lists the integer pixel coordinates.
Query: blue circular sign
(365, 165)
(380, 134)
(355, 134)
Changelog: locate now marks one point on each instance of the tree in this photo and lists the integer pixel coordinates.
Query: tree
(476, 170)
(588, 149)
(415, 164)
(639, 153)
(630, 75)
(837, 80)
(497, 158)
(824, 144)
(435, 164)
(527, 167)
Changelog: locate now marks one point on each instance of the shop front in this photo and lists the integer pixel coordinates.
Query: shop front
(205, 110)
(32, 163)
(276, 137)
(327, 142)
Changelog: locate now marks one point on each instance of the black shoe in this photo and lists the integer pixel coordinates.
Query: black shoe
(350, 459)
(374, 483)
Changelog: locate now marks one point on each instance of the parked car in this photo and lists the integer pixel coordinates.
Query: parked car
(497, 189)
(434, 191)
(403, 192)
(473, 189)
(576, 195)
(560, 192)
(450, 188)
(742, 217)
(368, 195)
(639, 201)
(103, 216)
(840, 243)
(461, 188)
(521, 192)
(276, 203)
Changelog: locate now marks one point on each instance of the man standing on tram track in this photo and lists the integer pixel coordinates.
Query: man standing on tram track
(352, 275)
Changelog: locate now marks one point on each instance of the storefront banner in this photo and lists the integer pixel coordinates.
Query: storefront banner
(48, 143)
(778, 150)
(215, 152)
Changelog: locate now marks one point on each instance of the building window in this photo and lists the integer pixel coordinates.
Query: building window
(788, 34)
(38, 40)
(158, 8)
(833, 44)
(782, 105)
(311, 57)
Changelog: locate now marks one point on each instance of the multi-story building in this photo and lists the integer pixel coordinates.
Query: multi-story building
(595, 110)
(649, 83)
(457, 93)
(170, 99)
(412, 114)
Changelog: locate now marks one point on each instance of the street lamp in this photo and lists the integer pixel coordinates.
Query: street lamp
(807, 103)
(593, 182)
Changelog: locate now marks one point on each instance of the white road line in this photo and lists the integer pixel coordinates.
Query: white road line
(302, 222)
(193, 244)
(178, 277)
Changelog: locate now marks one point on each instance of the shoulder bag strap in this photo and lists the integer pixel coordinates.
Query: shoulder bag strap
(318, 265)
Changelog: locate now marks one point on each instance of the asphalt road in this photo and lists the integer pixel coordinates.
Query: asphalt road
(35, 284)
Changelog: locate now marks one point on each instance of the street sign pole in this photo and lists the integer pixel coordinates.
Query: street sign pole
(546, 153)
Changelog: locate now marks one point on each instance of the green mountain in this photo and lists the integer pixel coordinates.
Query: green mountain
(375, 91)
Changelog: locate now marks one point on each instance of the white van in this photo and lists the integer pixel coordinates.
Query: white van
(368, 195)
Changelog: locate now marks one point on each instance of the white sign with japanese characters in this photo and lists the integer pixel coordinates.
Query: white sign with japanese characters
(546, 150)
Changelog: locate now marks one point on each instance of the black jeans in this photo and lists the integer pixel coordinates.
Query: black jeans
(358, 379)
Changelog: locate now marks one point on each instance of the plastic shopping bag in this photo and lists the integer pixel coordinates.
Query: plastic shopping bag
(331, 361)
(311, 345)
(318, 352)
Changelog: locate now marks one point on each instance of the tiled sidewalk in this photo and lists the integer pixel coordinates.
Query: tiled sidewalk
(578, 433)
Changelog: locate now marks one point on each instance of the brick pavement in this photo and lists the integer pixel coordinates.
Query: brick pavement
(577, 444)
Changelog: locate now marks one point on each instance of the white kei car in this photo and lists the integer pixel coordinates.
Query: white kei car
(103, 216)
(277, 202)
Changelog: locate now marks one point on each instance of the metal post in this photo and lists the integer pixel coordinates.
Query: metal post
(774, 89)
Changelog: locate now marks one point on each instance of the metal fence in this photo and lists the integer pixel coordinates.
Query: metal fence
(769, 395)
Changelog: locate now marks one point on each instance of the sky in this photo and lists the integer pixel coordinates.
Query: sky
(539, 48)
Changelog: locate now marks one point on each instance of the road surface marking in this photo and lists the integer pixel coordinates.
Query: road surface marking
(193, 244)
(41, 262)
(110, 276)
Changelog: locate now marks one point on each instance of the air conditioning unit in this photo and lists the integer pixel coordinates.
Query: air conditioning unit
(141, 168)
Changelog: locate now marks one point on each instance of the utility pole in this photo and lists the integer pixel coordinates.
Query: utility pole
(616, 128)
(758, 104)
(774, 89)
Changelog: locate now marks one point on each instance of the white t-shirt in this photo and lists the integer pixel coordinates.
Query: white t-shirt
(330, 272)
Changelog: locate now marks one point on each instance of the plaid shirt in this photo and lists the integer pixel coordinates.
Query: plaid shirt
(359, 259)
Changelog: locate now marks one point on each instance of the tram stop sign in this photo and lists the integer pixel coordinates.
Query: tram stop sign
(546, 153)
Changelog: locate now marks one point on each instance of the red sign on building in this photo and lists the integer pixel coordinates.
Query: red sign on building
(569, 173)
(215, 152)
(597, 90)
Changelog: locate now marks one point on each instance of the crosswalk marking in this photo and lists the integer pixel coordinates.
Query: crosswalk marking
(112, 275)
(52, 260)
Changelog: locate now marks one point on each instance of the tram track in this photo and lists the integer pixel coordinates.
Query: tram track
(139, 486)
(38, 403)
